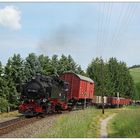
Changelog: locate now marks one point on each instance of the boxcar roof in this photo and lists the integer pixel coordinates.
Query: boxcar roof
(82, 77)
(85, 78)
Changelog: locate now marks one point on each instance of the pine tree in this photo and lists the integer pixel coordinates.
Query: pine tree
(45, 64)
(15, 70)
(2, 95)
(3, 105)
(98, 72)
(32, 66)
(111, 77)
(63, 64)
(72, 66)
(80, 71)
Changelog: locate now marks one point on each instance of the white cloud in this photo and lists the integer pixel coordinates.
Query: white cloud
(10, 17)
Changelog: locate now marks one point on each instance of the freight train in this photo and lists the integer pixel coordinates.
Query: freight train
(47, 94)
(111, 101)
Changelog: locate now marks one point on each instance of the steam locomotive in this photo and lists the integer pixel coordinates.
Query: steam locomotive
(43, 94)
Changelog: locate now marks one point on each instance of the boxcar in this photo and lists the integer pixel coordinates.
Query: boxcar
(80, 87)
(114, 101)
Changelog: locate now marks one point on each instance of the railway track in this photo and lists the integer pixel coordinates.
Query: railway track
(11, 125)
(8, 126)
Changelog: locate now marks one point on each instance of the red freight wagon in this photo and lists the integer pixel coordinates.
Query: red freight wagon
(81, 87)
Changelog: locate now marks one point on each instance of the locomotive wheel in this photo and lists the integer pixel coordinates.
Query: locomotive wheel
(42, 115)
(70, 109)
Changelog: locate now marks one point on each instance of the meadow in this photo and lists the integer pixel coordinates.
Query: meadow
(76, 124)
(126, 124)
(135, 72)
(86, 124)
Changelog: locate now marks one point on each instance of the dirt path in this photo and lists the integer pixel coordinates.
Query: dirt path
(103, 130)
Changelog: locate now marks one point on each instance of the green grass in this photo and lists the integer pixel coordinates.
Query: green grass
(86, 124)
(135, 72)
(125, 124)
(77, 124)
(133, 107)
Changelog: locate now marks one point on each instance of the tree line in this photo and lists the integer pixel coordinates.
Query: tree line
(109, 77)
(134, 66)
(112, 77)
(18, 71)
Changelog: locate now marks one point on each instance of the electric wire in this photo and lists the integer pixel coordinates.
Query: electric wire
(101, 27)
(106, 25)
(127, 12)
(126, 24)
(117, 25)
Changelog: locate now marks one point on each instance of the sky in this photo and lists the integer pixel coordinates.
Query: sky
(83, 30)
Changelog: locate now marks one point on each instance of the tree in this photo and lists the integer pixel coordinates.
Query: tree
(121, 80)
(136, 95)
(63, 64)
(15, 70)
(80, 71)
(3, 105)
(54, 65)
(32, 66)
(1, 82)
(68, 64)
(45, 64)
(8, 93)
(11, 92)
(111, 77)
(1, 69)
(134, 66)
(71, 64)
(97, 71)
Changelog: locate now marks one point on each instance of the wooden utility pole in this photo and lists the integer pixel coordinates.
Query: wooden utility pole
(118, 99)
(102, 87)
(85, 100)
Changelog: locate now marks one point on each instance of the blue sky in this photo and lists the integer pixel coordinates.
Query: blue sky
(83, 30)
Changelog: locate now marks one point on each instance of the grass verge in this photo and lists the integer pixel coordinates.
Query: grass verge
(10, 114)
(126, 124)
(77, 124)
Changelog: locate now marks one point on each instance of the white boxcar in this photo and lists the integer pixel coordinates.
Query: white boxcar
(98, 100)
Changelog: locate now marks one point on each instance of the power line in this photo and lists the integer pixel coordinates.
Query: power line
(117, 24)
(102, 30)
(126, 24)
(107, 24)
(129, 11)
(99, 18)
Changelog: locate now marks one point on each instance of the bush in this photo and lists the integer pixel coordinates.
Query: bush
(3, 105)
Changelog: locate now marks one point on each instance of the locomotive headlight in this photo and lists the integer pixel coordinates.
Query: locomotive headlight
(44, 100)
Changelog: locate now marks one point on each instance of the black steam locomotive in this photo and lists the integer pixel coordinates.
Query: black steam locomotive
(44, 94)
